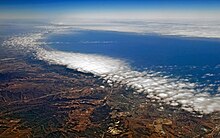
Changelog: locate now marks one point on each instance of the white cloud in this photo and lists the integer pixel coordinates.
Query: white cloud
(162, 88)
(190, 26)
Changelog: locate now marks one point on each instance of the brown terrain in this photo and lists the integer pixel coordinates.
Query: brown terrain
(42, 100)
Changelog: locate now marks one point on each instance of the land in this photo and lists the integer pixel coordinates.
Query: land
(42, 100)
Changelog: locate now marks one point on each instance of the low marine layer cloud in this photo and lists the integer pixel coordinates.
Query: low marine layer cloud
(163, 89)
(176, 27)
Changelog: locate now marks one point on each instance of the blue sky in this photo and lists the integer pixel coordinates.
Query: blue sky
(44, 8)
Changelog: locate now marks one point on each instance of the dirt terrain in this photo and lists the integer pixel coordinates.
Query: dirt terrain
(42, 100)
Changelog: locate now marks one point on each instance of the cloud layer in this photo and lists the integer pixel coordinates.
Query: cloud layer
(163, 89)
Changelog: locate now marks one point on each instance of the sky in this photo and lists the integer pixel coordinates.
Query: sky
(133, 9)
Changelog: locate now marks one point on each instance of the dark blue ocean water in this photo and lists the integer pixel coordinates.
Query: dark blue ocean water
(196, 59)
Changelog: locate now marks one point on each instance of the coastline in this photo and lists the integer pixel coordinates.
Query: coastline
(43, 100)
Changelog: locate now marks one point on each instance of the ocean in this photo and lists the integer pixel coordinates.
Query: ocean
(195, 59)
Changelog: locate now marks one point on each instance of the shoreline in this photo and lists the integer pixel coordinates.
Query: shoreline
(43, 100)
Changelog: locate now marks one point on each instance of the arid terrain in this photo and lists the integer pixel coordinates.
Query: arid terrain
(42, 100)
